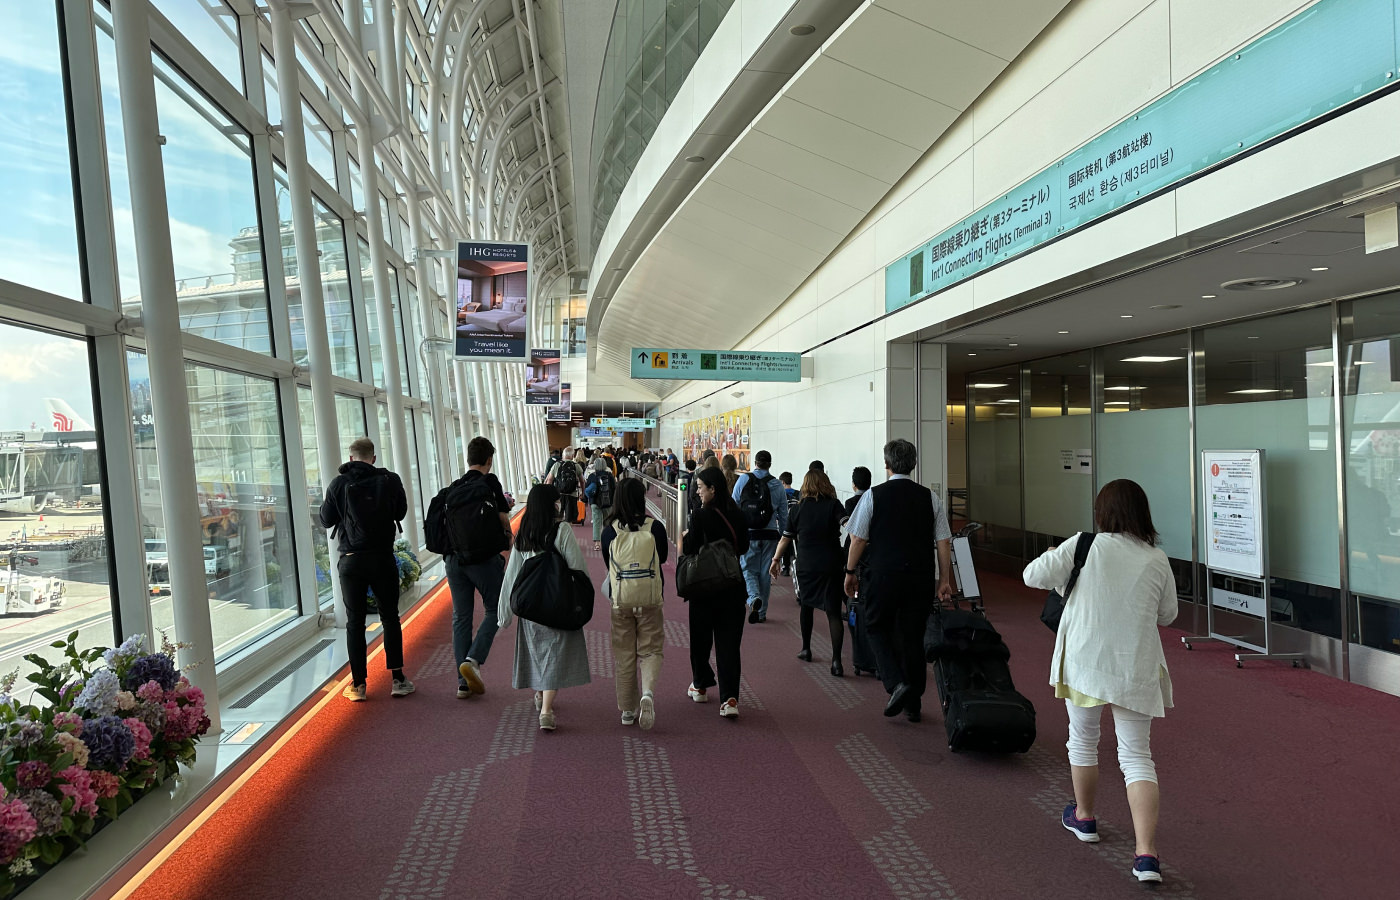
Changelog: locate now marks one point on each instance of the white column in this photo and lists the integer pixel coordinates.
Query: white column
(383, 293)
(160, 315)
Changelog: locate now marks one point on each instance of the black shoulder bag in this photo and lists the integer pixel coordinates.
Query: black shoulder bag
(1054, 603)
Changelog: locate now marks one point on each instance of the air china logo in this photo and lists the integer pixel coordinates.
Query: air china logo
(62, 422)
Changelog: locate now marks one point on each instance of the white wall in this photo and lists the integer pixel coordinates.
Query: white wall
(1098, 62)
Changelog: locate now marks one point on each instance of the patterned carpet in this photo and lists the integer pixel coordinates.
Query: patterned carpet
(1277, 783)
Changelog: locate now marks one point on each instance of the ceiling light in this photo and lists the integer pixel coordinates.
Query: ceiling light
(988, 387)
(1207, 296)
(1257, 391)
(1320, 268)
(1261, 284)
(802, 30)
(1152, 359)
(1166, 306)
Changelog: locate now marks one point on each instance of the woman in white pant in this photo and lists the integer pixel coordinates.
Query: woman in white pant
(1108, 653)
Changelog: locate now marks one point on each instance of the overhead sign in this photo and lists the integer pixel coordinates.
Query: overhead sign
(493, 287)
(1332, 54)
(542, 378)
(1234, 510)
(565, 410)
(622, 424)
(715, 365)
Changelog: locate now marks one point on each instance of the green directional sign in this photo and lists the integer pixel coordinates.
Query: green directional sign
(622, 424)
(715, 365)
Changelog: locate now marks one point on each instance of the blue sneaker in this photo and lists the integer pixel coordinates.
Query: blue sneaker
(1086, 830)
(1147, 868)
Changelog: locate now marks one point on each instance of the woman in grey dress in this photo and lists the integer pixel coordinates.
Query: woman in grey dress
(546, 659)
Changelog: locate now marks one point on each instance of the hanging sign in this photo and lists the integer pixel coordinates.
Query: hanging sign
(542, 378)
(565, 410)
(1234, 511)
(715, 365)
(493, 287)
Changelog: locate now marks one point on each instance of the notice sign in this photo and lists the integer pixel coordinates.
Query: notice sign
(542, 378)
(1234, 509)
(493, 284)
(715, 365)
(565, 409)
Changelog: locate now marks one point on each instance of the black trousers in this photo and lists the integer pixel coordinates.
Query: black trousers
(717, 622)
(898, 644)
(359, 572)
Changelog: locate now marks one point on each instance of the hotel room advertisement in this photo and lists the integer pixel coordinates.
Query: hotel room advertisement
(493, 284)
(723, 433)
(542, 378)
(565, 409)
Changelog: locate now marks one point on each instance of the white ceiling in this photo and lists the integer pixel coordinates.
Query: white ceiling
(791, 187)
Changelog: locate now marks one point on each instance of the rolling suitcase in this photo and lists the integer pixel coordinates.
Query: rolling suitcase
(862, 657)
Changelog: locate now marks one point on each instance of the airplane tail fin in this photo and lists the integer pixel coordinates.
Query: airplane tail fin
(64, 418)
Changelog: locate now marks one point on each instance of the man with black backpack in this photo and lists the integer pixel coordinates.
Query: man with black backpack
(763, 502)
(468, 523)
(567, 476)
(364, 506)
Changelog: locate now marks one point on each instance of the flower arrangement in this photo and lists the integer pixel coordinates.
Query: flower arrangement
(409, 568)
(115, 723)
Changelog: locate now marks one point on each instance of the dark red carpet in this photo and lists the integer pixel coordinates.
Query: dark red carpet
(1276, 782)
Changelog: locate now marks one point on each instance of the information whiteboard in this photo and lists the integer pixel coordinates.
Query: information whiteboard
(1234, 511)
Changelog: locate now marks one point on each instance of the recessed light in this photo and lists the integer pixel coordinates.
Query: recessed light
(1320, 268)
(1257, 391)
(1207, 296)
(1152, 359)
(1125, 316)
(802, 30)
(695, 159)
(1166, 306)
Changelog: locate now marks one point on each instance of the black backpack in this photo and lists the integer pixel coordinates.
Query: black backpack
(550, 593)
(467, 520)
(365, 523)
(566, 479)
(756, 502)
(603, 496)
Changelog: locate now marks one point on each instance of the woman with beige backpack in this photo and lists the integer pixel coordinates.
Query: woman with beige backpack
(634, 549)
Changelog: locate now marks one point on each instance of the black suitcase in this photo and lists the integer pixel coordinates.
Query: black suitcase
(862, 657)
(989, 721)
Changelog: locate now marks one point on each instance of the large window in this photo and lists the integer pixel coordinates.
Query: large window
(39, 232)
(53, 543)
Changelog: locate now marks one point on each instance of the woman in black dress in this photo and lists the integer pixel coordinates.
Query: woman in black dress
(816, 527)
(716, 620)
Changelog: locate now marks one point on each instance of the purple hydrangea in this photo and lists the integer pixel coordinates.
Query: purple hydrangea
(110, 743)
(157, 667)
(46, 810)
(33, 774)
(99, 696)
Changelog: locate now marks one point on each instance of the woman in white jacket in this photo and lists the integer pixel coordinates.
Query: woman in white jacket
(1108, 653)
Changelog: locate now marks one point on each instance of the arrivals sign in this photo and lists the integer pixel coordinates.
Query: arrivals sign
(1234, 511)
(1330, 55)
(493, 287)
(715, 365)
(623, 424)
(565, 410)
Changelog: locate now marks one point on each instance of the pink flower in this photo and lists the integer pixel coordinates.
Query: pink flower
(143, 737)
(17, 828)
(79, 787)
(67, 743)
(151, 691)
(126, 700)
(71, 723)
(105, 784)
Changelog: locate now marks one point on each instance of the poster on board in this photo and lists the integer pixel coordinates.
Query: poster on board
(1234, 511)
(493, 284)
(565, 410)
(542, 378)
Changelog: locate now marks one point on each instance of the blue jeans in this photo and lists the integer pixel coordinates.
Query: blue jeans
(756, 573)
(465, 579)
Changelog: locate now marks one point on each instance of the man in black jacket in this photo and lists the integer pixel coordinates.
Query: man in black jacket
(364, 505)
(903, 525)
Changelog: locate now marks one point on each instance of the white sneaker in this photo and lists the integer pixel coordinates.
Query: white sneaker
(729, 708)
(402, 688)
(646, 716)
(472, 676)
(629, 717)
(697, 695)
